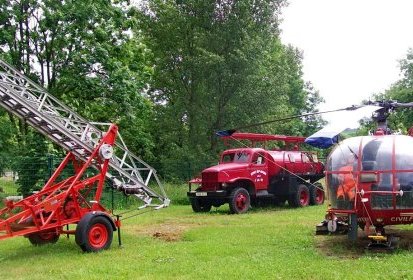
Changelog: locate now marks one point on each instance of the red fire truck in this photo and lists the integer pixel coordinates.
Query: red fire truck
(245, 176)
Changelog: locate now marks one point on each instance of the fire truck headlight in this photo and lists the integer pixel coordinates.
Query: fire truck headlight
(224, 185)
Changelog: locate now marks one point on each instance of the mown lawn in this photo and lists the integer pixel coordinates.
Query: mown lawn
(175, 243)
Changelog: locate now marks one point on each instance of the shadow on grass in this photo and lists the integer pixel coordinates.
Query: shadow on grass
(339, 246)
(26, 251)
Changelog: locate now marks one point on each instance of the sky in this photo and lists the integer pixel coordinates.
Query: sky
(351, 48)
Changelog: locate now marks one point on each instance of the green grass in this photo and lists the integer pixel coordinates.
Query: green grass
(8, 186)
(175, 243)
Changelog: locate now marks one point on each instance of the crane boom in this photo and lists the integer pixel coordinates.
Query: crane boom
(49, 116)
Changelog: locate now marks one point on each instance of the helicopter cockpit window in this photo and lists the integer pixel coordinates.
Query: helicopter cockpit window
(377, 156)
(341, 173)
(342, 153)
(404, 152)
(404, 172)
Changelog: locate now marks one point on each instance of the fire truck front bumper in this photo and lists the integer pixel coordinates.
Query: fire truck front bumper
(207, 194)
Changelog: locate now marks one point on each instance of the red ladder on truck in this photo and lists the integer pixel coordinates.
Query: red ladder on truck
(75, 200)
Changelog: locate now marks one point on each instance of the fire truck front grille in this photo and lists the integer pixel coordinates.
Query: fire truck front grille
(209, 181)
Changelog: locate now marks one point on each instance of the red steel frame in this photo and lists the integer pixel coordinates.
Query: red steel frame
(59, 203)
(264, 138)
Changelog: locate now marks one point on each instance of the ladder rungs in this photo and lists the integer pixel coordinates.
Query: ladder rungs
(29, 115)
(5, 98)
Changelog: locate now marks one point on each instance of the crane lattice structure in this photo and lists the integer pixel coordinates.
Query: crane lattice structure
(60, 203)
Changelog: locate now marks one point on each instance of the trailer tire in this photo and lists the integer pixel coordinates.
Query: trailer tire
(42, 238)
(94, 233)
(200, 206)
(239, 201)
(316, 194)
(301, 198)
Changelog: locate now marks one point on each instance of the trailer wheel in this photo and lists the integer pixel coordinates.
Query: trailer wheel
(94, 233)
(42, 238)
(200, 206)
(239, 201)
(316, 194)
(301, 198)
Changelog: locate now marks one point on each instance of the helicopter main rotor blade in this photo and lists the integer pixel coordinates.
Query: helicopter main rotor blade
(404, 105)
(390, 104)
(328, 136)
(229, 132)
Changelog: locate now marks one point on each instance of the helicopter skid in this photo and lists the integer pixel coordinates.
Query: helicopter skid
(381, 243)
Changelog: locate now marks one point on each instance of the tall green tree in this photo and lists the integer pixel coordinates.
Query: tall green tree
(402, 91)
(219, 64)
(88, 54)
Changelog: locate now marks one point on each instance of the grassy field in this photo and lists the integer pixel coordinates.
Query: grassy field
(175, 243)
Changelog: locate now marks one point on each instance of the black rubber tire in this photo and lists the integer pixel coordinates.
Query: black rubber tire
(316, 196)
(200, 206)
(42, 238)
(239, 201)
(295, 200)
(94, 233)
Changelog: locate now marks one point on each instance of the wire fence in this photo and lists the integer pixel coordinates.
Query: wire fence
(27, 174)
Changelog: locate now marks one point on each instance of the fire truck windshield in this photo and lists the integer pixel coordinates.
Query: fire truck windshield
(238, 157)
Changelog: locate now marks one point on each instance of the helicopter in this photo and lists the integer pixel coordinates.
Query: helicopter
(369, 179)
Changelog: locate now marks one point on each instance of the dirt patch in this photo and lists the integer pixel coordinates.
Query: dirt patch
(167, 231)
(338, 246)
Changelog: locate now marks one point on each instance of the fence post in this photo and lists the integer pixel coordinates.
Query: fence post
(50, 165)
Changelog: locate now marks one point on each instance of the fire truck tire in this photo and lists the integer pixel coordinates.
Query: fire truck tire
(94, 233)
(239, 201)
(316, 194)
(301, 198)
(200, 206)
(42, 238)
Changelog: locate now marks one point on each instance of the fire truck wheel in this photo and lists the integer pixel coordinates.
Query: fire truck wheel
(301, 198)
(239, 201)
(316, 194)
(42, 238)
(94, 233)
(200, 206)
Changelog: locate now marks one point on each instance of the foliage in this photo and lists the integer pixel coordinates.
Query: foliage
(169, 73)
(31, 164)
(7, 142)
(220, 64)
(86, 53)
(402, 91)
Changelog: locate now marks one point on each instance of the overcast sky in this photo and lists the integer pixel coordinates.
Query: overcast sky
(351, 48)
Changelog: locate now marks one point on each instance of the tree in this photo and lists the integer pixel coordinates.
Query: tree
(402, 91)
(219, 64)
(88, 54)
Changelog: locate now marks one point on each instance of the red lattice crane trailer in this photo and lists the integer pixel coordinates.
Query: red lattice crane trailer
(75, 199)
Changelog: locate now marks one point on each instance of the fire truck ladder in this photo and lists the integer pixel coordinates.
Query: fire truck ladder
(31, 102)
